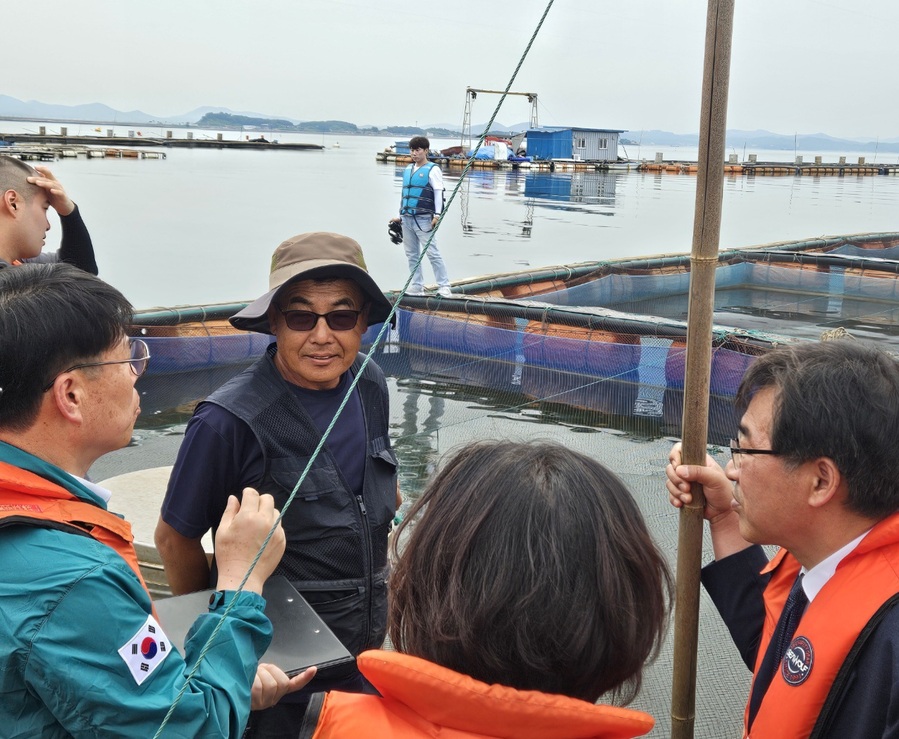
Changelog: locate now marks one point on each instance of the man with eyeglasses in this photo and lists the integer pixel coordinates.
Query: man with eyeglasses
(261, 429)
(26, 194)
(815, 471)
(81, 652)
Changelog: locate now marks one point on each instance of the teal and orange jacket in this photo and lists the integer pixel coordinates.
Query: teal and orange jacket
(80, 651)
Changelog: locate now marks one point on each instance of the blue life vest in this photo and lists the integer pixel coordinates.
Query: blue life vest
(418, 195)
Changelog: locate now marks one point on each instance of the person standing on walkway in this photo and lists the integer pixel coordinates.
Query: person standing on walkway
(26, 193)
(420, 207)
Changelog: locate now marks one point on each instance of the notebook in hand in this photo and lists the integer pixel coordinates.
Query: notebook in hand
(300, 638)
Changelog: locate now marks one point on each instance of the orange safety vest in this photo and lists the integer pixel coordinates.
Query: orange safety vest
(863, 582)
(25, 495)
(421, 699)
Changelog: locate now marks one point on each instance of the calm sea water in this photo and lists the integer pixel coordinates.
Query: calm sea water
(200, 226)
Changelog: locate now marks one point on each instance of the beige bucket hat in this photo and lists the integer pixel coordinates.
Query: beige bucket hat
(314, 256)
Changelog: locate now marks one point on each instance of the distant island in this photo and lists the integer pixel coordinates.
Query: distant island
(735, 139)
(230, 121)
(233, 122)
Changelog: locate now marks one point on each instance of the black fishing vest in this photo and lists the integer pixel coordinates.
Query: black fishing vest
(336, 552)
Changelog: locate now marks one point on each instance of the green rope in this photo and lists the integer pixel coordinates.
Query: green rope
(386, 325)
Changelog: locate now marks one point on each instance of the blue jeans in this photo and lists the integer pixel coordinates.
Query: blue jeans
(416, 231)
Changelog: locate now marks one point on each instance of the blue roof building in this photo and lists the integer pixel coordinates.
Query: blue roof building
(579, 144)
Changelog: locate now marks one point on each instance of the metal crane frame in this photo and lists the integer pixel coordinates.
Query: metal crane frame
(471, 94)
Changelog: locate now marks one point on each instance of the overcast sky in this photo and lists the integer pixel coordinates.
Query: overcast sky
(797, 66)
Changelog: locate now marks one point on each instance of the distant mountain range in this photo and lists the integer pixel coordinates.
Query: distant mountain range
(736, 139)
(99, 113)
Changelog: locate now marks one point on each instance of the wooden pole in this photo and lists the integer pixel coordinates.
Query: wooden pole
(704, 257)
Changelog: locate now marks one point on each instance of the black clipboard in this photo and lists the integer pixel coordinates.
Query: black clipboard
(300, 638)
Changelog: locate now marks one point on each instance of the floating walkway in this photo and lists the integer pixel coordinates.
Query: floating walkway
(540, 165)
(752, 167)
(32, 139)
(799, 167)
(401, 160)
(840, 169)
(51, 152)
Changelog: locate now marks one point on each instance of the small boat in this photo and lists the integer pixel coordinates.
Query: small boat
(453, 151)
(620, 165)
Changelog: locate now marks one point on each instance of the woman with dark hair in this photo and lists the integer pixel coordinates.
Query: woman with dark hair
(529, 587)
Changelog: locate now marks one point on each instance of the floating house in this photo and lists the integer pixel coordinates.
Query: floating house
(578, 144)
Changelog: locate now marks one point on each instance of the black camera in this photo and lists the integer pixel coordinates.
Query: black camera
(395, 231)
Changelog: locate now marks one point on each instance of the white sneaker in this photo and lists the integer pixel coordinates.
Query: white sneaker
(415, 291)
(444, 291)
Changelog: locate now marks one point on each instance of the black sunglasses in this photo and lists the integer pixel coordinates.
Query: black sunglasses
(305, 320)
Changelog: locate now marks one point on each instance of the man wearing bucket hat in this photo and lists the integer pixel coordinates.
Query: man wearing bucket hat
(261, 428)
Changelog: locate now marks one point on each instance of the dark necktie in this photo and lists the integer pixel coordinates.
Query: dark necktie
(780, 641)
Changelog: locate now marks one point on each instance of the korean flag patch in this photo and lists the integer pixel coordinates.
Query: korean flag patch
(146, 650)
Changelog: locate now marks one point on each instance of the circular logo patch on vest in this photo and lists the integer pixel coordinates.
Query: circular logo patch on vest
(796, 665)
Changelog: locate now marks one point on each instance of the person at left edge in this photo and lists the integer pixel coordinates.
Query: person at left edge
(81, 653)
(261, 428)
(25, 195)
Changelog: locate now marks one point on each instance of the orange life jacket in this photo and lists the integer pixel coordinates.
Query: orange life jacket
(421, 699)
(866, 579)
(25, 495)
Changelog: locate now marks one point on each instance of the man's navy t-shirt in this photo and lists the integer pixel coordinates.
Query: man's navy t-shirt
(220, 456)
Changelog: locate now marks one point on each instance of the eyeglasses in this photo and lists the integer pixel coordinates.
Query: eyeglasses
(736, 450)
(306, 320)
(139, 360)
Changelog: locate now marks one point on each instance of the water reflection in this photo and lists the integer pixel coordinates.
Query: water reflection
(544, 395)
(592, 192)
(167, 399)
(591, 188)
(489, 184)
(416, 437)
